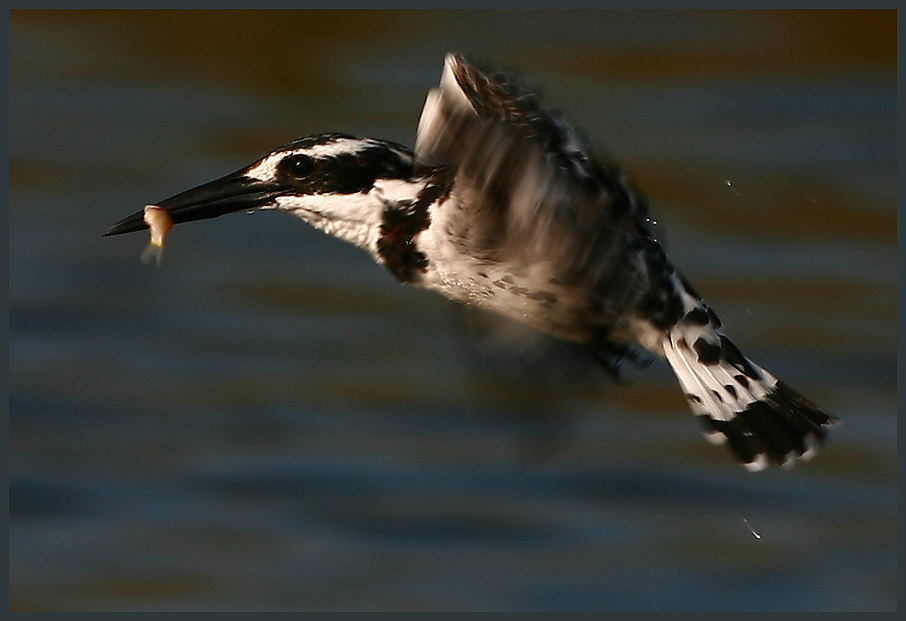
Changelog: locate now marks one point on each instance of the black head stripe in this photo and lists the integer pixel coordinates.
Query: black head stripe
(342, 172)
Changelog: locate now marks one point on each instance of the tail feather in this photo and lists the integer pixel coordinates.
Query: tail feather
(738, 403)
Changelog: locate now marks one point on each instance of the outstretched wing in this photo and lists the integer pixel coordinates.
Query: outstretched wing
(528, 191)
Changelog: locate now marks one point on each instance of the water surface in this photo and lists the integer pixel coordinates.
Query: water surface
(270, 422)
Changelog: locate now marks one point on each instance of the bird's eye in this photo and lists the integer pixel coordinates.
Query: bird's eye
(298, 165)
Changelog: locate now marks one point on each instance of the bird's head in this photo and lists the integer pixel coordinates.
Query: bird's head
(332, 181)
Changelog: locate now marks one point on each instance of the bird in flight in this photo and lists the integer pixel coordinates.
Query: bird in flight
(503, 207)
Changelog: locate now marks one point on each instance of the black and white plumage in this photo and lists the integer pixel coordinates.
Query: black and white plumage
(501, 206)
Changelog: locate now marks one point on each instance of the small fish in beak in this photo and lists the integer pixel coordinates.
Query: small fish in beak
(159, 222)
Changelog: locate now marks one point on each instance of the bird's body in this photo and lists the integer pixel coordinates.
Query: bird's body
(501, 206)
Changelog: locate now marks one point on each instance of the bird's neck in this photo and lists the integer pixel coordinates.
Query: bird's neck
(382, 221)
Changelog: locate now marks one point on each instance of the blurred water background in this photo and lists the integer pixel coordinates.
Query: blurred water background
(270, 422)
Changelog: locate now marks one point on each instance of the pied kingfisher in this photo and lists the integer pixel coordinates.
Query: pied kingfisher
(501, 206)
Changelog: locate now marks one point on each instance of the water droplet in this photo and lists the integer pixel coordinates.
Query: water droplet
(812, 199)
(751, 530)
(729, 184)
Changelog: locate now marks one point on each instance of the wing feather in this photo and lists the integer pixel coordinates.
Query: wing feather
(528, 191)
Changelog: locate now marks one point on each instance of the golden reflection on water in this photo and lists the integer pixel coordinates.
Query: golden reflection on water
(282, 50)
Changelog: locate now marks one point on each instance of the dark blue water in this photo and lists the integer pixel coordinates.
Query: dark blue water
(270, 422)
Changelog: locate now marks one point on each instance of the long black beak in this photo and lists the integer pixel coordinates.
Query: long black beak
(234, 192)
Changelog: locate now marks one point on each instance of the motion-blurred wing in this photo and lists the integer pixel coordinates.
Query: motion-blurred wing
(527, 188)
